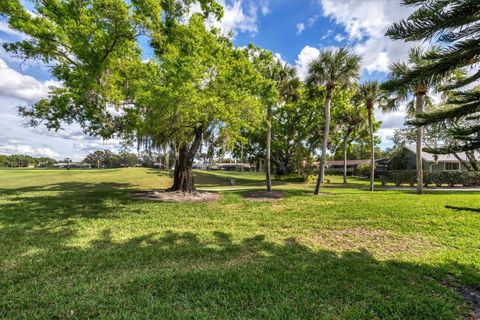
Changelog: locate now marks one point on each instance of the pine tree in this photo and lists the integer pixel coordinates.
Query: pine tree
(455, 24)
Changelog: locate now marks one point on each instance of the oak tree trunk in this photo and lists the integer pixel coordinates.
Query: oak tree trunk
(326, 131)
(419, 163)
(183, 180)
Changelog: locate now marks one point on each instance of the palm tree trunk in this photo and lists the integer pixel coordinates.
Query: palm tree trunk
(241, 157)
(321, 172)
(419, 162)
(372, 149)
(344, 147)
(268, 154)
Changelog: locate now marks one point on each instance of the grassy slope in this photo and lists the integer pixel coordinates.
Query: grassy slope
(74, 244)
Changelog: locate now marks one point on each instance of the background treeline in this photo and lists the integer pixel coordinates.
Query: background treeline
(23, 161)
(97, 159)
(109, 159)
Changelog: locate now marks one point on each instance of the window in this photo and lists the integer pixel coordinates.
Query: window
(452, 166)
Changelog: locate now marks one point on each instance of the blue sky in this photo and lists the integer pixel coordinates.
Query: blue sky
(294, 30)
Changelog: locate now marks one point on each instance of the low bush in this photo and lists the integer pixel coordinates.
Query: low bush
(364, 170)
(291, 178)
(449, 178)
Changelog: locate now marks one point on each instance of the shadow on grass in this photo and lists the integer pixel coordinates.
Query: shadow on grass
(171, 275)
(44, 216)
(221, 178)
(463, 209)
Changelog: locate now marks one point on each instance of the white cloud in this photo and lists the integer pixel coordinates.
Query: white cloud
(279, 58)
(238, 15)
(5, 28)
(391, 120)
(366, 22)
(303, 60)
(300, 27)
(265, 7)
(24, 87)
(326, 35)
(339, 38)
(236, 19)
(28, 150)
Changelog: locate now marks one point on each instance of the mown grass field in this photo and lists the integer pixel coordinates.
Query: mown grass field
(74, 244)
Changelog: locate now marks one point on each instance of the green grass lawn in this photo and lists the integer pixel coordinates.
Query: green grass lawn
(74, 244)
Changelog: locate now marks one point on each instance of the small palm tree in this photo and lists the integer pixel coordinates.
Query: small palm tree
(370, 95)
(287, 84)
(332, 69)
(351, 124)
(402, 92)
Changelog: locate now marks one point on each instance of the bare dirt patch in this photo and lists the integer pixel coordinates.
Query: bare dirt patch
(472, 295)
(374, 240)
(263, 195)
(176, 196)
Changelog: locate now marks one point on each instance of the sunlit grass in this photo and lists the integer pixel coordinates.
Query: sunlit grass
(74, 244)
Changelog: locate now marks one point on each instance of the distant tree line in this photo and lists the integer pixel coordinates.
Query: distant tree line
(109, 159)
(23, 161)
(97, 159)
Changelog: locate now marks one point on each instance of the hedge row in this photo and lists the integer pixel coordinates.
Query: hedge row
(450, 178)
(338, 171)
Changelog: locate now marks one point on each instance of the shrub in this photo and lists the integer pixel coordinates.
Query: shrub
(364, 170)
(450, 178)
(399, 177)
(291, 178)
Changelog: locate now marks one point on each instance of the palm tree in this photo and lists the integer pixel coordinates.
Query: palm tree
(351, 124)
(370, 94)
(402, 92)
(287, 84)
(332, 69)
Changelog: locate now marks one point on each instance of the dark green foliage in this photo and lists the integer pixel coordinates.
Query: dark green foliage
(109, 159)
(21, 160)
(440, 178)
(455, 24)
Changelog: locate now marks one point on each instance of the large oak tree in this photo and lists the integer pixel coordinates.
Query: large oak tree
(195, 79)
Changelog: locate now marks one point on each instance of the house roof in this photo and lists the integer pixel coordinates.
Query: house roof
(349, 162)
(231, 164)
(430, 157)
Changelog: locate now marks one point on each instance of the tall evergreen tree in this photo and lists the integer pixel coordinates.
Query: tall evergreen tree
(456, 25)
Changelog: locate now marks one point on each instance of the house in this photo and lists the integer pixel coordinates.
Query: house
(77, 165)
(231, 166)
(201, 166)
(405, 159)
(353, 166)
